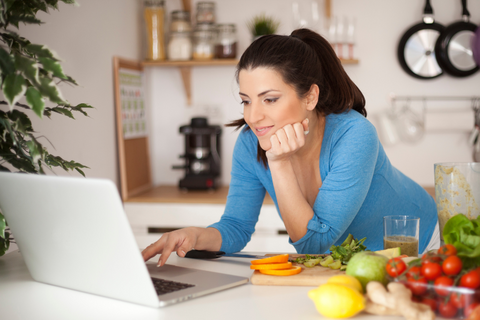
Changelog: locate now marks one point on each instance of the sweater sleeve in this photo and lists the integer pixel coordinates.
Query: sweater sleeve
(351, 165)
(245, 197)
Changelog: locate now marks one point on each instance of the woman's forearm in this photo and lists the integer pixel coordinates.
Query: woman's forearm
(295, 210)
(209, 239)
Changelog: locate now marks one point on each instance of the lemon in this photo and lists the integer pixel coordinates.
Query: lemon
(348, 280)
(390, 253)
(335, 300)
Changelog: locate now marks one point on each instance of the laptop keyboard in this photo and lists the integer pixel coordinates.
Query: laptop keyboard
(166, 286)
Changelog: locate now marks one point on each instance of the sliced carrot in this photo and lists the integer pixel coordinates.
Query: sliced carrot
(282, 272)
(271, 266)
(281, 258)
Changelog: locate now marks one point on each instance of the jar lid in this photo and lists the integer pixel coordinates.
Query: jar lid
(181, 15)
(225, 27)
(205, 5)
(154, 3)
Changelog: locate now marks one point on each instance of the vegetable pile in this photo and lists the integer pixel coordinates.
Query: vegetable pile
(441, 280)
(339, 257)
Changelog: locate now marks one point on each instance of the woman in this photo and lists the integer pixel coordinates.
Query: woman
(307, 142)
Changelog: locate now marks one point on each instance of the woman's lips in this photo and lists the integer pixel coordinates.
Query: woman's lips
(261, 131)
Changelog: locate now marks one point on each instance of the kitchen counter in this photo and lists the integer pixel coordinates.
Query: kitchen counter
(24, 298)
(173, 194)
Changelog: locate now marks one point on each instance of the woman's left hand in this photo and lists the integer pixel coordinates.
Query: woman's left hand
(287, 140)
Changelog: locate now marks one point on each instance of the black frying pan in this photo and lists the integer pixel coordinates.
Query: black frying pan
(454, 47)
(416, 49)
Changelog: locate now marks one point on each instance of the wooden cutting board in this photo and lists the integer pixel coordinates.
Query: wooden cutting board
(311, 277)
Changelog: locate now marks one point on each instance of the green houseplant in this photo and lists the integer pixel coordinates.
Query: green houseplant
(30, 75)
(261, 25)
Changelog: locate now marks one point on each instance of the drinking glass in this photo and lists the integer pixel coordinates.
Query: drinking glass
(350, 37)
(403, 232)
(306, 14)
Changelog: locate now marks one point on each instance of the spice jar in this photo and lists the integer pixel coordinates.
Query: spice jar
(154, 14)
(203, 42)
(226, 42)
(205, 12)
(180, 46)
(180, 21)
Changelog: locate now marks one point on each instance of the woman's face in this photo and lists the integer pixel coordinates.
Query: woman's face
(269, 103)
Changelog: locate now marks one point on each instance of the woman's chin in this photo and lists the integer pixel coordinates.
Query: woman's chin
(265, 146)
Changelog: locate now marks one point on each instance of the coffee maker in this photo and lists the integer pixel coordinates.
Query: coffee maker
(202, 155)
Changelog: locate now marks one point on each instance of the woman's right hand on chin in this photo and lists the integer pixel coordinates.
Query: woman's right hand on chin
(181, 241)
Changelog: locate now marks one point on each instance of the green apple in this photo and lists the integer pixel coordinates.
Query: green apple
(368, 266)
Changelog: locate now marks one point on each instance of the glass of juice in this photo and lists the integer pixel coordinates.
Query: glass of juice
(403, 232)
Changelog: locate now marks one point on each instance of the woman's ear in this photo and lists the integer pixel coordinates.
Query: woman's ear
(312, 97)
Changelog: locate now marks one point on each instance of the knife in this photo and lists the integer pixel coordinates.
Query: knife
(204, 254)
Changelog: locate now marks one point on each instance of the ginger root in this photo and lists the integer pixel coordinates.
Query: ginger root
(397, 299)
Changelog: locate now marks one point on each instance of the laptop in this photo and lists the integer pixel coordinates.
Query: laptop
(73, 233)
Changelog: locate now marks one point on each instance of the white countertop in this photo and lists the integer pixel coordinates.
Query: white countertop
(23, 298)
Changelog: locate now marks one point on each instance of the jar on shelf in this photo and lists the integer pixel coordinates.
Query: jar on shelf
(226, 42)
(154, 15)
(180, 46)
(180, 21)
(204, 42)
(205, 12)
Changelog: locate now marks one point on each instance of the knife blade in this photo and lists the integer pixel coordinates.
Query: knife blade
(204, 254)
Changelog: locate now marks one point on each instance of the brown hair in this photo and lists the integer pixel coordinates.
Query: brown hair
(302, 59)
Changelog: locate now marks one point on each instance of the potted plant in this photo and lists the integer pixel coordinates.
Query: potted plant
(261, 25)
(29, 77)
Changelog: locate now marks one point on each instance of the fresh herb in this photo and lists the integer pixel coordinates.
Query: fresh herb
(347, 249)
(464, 234)
(338, 258)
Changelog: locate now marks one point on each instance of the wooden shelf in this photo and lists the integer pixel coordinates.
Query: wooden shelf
(190, 63)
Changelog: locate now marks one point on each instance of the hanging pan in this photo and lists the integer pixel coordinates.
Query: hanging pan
(416, 49)
(454, 47)
(476, 46)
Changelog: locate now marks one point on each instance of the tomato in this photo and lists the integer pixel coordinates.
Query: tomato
(413, 271)
(395, 267)
(470, 280)
(452, 266)
(432, 303)
(431, 271)
(418, 285)
(430, 258)
(469, 309)
(448, 250)
(477, 270)
(460, 300)
(442, 285)
(447, 309)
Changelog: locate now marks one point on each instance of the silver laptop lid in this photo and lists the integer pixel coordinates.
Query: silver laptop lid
(73, 233)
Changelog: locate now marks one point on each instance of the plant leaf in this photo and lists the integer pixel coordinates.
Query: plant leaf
(36, 101)
(53, 66)
(41, 51)
(28, 67)
(6, 62)
(63, 111)
(3, 225)
(14, 88)
(49, 89)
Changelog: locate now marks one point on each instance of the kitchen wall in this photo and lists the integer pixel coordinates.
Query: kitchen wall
(87, 37)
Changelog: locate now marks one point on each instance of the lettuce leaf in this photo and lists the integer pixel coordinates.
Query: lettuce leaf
(464, 234)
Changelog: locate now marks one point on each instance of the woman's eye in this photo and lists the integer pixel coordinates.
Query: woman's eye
(272, 100)
(244, 102)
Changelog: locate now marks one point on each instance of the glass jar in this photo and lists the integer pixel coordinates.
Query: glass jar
(154, 15)
(226, 42)
(203, 42)
(205, 12)
(180, 46)
(180, 21)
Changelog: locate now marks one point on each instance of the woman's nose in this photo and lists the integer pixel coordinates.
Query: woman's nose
(256, 113)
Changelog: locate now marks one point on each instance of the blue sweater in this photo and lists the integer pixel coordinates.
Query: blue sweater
(359, 187)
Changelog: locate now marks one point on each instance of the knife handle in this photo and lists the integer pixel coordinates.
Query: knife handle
(204, 254)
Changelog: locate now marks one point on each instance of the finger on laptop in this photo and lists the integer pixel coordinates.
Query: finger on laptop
(154, 249)
(169, 247)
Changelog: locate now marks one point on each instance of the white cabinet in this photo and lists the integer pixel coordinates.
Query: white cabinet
(143, 216)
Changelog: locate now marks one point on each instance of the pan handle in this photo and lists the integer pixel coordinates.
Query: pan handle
(465, 13)
(428, 13)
